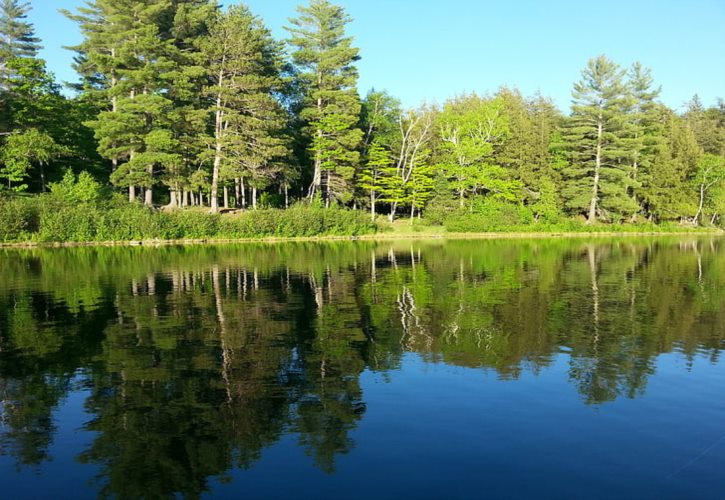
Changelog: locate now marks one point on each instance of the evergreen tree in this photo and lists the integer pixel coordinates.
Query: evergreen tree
(331, 106)
(525, 151)
(17, 36)
(708, 125)
(643, 131)
(244, 74)
(129, 52)
(599, 176)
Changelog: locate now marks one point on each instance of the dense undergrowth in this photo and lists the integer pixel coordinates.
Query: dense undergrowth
(48, 219)
(52, 218)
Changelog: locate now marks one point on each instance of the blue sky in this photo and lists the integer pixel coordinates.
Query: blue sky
(428, 50)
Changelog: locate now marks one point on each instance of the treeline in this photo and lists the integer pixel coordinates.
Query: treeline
(182, 103)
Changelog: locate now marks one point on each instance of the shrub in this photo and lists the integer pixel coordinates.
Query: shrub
(61, 222)
(187, 224)
(488, 214)
(128, 221)
(299, 220)
(18, 218)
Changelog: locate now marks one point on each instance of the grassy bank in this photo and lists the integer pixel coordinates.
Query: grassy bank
(45, 220)
(48, 220)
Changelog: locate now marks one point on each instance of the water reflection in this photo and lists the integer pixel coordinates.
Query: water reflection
(196, 359)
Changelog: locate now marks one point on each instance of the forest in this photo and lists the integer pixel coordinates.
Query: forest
(192, 120)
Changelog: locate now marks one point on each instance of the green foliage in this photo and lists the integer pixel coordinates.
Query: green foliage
(66, 215)
(489, 214)
(18, 219)
(330, 106)
(73, 189)
(470, 127)
(599, 179)
(24, 150)
(297, 221)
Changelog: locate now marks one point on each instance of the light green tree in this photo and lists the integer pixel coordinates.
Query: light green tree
(23, 150)
(469, 128)
(370, 179)
(709, 178)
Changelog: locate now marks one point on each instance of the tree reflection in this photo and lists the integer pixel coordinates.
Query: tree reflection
(199, 358)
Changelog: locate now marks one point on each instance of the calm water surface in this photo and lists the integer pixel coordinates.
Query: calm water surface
(517, 369)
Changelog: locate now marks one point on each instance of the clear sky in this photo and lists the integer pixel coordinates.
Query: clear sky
(432, 49)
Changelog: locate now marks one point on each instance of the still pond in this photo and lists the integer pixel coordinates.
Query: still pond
(534, 368)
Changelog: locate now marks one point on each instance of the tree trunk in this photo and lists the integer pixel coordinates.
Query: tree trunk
(327, 189)
(218, 133)
(633, 219)
(42, 176)
(393, 207)
(700, 205)
(237, 195)
(244, 193)
(372, 205)
(226, 197)
(214, 195)
(597, 165)
(131, 194)
(317, 175)
(149, 196)
(286, 196)
(254, 197)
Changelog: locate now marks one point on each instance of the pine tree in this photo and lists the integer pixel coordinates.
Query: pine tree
(422, 182)
(244, 64)
(189, 114)
(666, 190)
(129, 51)
(331, 106)
(643, 131)
(598, 178)
(17, 36)
(708, 124)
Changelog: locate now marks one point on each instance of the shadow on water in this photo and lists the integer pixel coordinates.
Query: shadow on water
(196, 359)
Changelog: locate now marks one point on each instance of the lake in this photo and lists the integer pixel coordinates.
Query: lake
(534, 368)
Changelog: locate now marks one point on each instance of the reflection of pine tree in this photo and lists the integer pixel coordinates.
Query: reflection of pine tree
(198, 358)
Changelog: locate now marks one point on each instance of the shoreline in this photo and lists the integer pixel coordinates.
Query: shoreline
(366, 237)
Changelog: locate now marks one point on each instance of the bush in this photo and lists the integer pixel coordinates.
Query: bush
(18, 218)
(62, 222)
(297, 221)
(187, 224)
(128, 221)
(488, 214)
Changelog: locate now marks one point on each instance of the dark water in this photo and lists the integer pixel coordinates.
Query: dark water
(534, 369)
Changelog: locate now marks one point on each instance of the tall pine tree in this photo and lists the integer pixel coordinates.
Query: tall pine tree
(598, 178)
(244, 64)
(331, 106)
